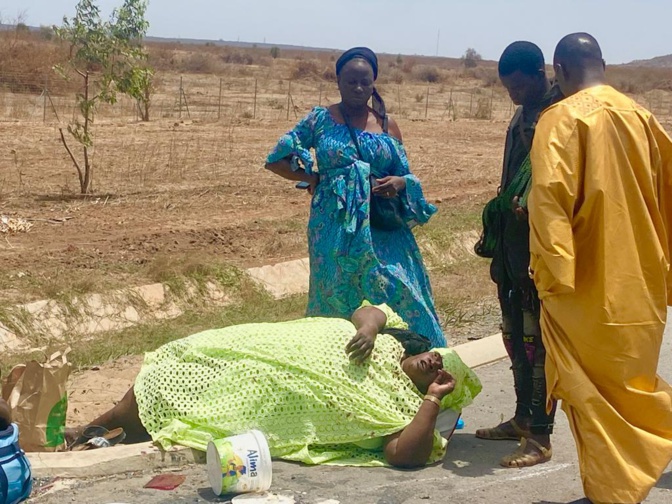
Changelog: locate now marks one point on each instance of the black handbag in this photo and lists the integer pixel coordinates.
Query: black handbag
(386, 214)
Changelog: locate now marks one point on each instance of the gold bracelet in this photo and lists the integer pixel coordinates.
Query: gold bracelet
(434, 399)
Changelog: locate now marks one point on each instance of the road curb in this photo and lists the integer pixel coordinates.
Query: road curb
(108, 461)
(483, 351)
(283, 279)
(122, 308)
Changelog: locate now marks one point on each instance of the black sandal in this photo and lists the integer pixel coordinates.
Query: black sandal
(104, 438)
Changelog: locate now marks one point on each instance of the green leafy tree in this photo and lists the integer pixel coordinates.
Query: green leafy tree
(471, 58)
(109, 58)
(138, 83)
(275, 52)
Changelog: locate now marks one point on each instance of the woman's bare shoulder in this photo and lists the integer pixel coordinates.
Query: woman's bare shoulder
(393, 129)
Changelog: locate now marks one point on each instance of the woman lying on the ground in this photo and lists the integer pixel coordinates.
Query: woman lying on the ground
(293, 381)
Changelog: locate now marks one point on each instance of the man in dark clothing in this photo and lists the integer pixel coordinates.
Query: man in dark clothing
(522, 72)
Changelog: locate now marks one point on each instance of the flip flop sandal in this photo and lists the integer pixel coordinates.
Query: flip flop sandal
(499, 434)
(109, 438)
(520, 459)
(88, 433)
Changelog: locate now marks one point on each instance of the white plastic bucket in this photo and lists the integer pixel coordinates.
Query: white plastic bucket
(239, 464)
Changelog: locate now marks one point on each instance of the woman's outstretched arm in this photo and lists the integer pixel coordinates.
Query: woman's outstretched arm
(412, 446)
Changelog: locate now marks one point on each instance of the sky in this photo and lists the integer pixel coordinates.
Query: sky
(626, 29)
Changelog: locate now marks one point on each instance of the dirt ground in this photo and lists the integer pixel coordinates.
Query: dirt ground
(94, 391)
(167, 190)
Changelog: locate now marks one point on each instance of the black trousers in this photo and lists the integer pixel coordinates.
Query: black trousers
(522, 338)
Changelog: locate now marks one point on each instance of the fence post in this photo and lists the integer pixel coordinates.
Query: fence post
(427, 102)
(319, 102)
(471, 104)
(219, 101)
(399, 98)
(254, 110)
(492, 98)
(180, 112)
(452, 104)
(289, 97)
(44, 99)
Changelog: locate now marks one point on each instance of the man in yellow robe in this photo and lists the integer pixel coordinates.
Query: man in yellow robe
(601, 234)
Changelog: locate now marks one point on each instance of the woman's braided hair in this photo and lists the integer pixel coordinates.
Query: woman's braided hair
(412, 342)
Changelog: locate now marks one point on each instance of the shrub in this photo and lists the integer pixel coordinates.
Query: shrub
(484, 109)
(397, 76)
(329, 74)
(419, 97)
(304, 69)
(46, 32)
(275, 52)
(198, 62)
(265, 61)
(276, 103)
(489, 77)
(238, 58)
(427, 73)
(471, 58)
(408, 65)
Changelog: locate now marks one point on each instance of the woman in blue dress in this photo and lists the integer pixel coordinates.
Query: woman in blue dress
(349, 259)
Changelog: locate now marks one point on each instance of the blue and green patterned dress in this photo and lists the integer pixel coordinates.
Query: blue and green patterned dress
(350, 260)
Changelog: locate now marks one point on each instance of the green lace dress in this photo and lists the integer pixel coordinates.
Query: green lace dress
(293, 382)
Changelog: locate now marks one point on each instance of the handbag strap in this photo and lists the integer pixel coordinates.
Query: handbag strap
(353, 135)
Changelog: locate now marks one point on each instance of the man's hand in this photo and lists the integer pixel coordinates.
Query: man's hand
(521, 212)
(389, 187)
(443, 385)
(361, 345)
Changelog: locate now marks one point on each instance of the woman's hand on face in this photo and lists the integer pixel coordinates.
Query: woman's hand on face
(389, 187)
(361, 345)
(443, 384)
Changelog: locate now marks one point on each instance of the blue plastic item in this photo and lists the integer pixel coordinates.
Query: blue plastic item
(460, 424)
(16, 481)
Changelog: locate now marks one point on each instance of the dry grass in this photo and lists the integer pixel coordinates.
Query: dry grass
(639, 80)
(147, 337)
